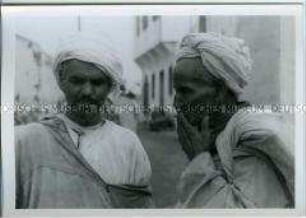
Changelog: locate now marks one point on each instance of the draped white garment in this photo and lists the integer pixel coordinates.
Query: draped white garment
(114, 152)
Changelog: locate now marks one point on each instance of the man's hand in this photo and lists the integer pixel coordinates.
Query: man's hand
(193, 142)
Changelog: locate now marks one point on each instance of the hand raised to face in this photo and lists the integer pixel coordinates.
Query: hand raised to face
(193, 142)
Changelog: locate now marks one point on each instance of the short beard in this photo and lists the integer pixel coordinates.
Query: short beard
(194, 119)
(84, 114)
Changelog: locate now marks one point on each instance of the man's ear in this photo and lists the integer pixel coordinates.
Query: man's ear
(225, 94)
(110, 85)
(222, 92)
(108, 91)
(62, 83)
(61, 77)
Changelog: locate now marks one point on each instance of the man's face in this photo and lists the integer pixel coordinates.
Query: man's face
(192, 89)
(84, 84)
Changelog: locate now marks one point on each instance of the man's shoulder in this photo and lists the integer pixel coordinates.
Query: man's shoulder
(29, 130)
(256, 126)
(120, 130)
(125, 136)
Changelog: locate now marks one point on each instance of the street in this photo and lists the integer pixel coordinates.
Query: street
(167, 162)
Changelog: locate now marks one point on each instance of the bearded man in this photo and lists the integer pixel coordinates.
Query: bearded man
(78, 159)
(238, 158)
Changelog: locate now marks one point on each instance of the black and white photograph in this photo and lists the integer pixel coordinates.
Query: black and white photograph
(152, 107)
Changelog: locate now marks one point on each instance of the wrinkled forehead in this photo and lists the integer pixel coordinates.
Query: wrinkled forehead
(192, 69)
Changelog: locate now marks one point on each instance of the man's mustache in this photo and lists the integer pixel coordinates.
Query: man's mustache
(88, 101)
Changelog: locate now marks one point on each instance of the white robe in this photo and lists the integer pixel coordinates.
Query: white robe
(114, 152)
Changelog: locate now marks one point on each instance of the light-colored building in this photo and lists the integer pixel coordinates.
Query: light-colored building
(35, 83)
(34, 79)
(271, 42)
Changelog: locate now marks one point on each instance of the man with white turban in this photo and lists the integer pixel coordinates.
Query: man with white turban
(239, 158)
(78, 159)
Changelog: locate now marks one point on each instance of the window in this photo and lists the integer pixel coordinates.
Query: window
(155, 17)
(146, 92)
(145, 22)
(170, 82)
(153, 86)
(161, 88)
(202, 24)
(137, 26)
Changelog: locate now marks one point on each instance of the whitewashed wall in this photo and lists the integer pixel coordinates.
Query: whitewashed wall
(33, 76)
(271, 42)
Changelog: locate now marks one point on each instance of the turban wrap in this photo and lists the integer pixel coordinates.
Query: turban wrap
(225, 58)
(89, 49)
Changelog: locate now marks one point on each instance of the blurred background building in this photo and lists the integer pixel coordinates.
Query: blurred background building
(34, 79)
(35, 83)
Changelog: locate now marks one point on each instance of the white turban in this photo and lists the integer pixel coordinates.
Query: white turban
(225, 58)
(88, 48)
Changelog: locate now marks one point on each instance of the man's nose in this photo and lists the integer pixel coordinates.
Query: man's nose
(87, 89)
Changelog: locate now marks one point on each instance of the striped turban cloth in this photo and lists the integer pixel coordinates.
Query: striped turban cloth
(88, 48)
(225, 58)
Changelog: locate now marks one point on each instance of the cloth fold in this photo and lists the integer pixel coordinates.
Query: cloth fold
(52, 173)
(253, 168)
(266, 132)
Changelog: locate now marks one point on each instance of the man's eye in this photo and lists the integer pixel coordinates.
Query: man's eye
(184, 90)
(77, 81)
(98, 82)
